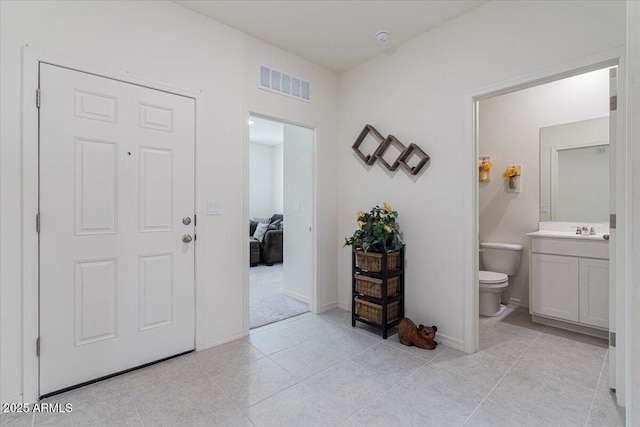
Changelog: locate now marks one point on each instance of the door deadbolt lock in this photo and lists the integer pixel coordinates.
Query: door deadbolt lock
(187, 238)
(186, 220)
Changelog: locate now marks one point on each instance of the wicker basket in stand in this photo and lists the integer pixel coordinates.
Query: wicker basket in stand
(373, 312)
(372, 261)
(372, 286)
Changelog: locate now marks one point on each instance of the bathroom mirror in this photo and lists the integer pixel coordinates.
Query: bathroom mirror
(574, 171)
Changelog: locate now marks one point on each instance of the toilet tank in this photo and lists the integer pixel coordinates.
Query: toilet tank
(501, 257)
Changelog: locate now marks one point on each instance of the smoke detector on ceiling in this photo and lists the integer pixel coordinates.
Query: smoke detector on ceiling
(382, 36)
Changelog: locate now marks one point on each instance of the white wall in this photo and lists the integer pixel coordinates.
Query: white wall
(509, 132)
(265, 180)
(417, 93)
(165, 42)
(298, 212)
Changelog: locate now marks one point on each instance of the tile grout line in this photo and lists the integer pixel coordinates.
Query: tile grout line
(396, 385)
(595, 391)
(223, 390)
(424, 363)
(135, 404)
(301, 380)
(349, 359)
(500, 380)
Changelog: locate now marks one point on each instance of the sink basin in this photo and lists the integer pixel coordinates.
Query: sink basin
(566, 235)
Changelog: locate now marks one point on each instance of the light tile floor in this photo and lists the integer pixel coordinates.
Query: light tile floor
(316, 370)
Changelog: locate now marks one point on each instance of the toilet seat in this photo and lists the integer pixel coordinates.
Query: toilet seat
(491, 277)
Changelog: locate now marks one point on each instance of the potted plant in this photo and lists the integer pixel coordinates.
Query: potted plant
(484, 166)
(511, 173)
(376, 235)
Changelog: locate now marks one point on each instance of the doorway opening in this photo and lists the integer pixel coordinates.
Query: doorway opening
(281, 206)
(546, 163)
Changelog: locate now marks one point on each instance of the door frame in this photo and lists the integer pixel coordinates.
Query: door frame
(313, 299)
(622, 252)
(31, 59)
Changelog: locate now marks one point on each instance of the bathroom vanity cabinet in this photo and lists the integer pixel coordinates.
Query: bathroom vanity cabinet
(569, 282)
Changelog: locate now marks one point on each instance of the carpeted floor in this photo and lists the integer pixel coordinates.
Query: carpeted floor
(266, 303)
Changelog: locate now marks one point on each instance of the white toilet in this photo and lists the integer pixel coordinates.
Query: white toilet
(500, 261)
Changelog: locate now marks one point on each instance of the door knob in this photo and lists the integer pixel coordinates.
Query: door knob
(187, 238)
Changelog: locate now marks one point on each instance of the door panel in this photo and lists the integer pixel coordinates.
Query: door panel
(116, 179)
(95, 300)
(554, 286)
(96, 185)
(594, 292)
(156, 176)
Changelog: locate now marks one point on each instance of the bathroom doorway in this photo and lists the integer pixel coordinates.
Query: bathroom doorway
(510, 140)
(281, 206)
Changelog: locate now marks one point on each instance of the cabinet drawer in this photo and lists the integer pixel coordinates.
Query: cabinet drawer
(571, 247)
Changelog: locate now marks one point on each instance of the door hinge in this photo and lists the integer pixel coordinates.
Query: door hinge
(38, 347)
(612, 221)
(195, 236)
(195, 220)
(38, 222)
(612, 339)
(613, 103)
(38, 98)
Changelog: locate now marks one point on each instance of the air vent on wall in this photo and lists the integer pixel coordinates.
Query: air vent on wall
(284, 84)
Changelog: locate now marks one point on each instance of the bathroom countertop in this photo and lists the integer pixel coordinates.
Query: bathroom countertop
(566, 235)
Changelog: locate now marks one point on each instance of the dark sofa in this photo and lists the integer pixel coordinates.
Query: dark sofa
(271, 248)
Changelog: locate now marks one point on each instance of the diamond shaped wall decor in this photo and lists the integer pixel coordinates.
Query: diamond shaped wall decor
(414, 150)
(407, 153)
(367, 158)
(390, 141)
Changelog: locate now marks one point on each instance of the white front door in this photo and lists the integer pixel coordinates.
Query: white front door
(116, 181)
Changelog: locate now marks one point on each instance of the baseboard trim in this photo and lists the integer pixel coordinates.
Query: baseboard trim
(294, 295)
(344, 306)
(203, 345)
(444, 339)
(450, 342)
(329, 306)
(14, 399)
(518, 302)
(586, 330)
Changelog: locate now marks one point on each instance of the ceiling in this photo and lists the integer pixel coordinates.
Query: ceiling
(334, 34)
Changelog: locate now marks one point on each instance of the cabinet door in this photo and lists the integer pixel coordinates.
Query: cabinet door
(554, 286)
(594, 292)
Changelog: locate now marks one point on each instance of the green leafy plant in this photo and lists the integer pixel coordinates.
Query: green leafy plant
(377, 231)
